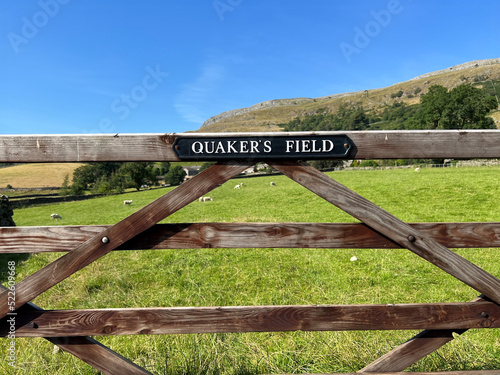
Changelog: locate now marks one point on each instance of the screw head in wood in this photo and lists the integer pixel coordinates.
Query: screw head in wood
(105, 240)
(411, 238)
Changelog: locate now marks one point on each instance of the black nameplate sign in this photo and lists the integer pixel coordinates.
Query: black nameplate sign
(305, 147)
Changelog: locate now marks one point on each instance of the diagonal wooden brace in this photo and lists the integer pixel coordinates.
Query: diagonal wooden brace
(91, 351)
(414, 349)
(391, 227)
(112, 237)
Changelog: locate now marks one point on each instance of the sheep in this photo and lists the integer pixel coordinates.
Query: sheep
(127, 202)
(55, 216)
(206, 199)
(273, 183)
(417, 169)
(237, 186)
(241, 184)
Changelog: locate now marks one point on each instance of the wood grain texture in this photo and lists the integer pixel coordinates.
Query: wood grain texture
(246, 235)
(86, 148)
(87, 349)
(98, 355)
(391, 227)
(92, 322)
(419, 346)
(138, 222)
(421, 144)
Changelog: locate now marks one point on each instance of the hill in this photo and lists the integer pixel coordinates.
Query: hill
(267, 115)
(36, 175)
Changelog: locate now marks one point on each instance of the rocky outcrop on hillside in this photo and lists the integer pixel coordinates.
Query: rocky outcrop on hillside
(264, 105)
(464, 66)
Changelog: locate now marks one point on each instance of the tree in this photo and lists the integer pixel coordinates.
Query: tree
(84, 176)
(88, 175)
(137, 173)
(103, 186)
(164, 167)
(77, 188)
(175, 175)
(464, 107)
(65, 188)
(470, 107)
(433, 106)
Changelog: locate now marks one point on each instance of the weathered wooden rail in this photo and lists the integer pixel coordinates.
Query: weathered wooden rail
(83, 245)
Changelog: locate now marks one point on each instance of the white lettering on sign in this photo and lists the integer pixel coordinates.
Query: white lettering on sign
(232, 147)
(309, 145)
(312, 147)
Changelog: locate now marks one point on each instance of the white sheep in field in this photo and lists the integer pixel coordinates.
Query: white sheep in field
(273, 183)
(417, 169)
(55, 216)
(206, 199)
(127, 202)
(237, 186)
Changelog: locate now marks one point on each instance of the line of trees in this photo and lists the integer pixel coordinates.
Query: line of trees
(115, 177)
(463, 107)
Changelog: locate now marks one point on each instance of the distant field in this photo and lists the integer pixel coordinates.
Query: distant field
(496, 118)
(36, 175)
(222, 277)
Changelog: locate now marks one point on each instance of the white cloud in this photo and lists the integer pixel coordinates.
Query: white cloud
(192, 101)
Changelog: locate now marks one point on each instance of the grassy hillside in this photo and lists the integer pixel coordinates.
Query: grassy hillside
(267, 116)
(218, 277)
(36, 175)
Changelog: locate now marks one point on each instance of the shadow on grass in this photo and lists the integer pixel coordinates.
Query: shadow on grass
(4, 264)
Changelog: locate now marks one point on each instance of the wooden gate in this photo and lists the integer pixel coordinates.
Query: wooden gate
(71, 330)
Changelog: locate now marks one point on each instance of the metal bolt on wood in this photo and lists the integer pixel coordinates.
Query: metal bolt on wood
(105, 240)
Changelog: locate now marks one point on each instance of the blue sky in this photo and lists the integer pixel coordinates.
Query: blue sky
(157, 66)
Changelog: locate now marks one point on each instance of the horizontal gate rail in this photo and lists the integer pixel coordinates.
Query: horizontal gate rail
(136, 321)
(412, 144)
(247, 235)
(89, 350)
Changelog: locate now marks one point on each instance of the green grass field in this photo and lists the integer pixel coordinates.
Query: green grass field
(226, 277)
